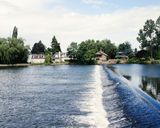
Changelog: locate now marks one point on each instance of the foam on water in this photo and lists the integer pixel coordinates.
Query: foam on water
(93, 102)
(100, 113)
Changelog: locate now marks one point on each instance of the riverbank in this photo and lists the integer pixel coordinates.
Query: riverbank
(14, 65)
(109, 62)
(27, 64)
(131, 61)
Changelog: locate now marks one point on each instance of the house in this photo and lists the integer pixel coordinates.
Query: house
(60, 57)
(36, 58)
(57, 57)
(121, 55)
(65, 58)
(101, 57)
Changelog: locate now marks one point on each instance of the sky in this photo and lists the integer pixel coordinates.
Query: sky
(76, 20)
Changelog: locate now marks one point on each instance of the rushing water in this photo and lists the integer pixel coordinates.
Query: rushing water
(52, 97)
(126, 104)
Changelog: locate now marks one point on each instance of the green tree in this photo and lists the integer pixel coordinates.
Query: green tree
(55, 45)
(17, 51)
(48, 56)
(106, 46)
(158, 38)
(72, 50)
(13, 51)
(15, 32)
(125, 47)
(86, 52)
(147, 36)
(38, 48)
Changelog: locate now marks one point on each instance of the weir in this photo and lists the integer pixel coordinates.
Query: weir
(127, 106)
(100, 115)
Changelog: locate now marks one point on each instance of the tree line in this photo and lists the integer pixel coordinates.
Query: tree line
(13, 50)
(148, 37)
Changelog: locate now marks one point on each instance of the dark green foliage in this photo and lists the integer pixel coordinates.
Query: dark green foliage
(106, 46)
(13, 51)
(72, 50)
(38, 48)
(55, 46)
(48, 59)
(141, 57)
(15, 32)
(125, 48)
(85, 52)
(149, 37)
(48, 56)
(142, 54)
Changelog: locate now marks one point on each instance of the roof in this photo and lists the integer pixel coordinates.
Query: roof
(121, 56)
(101, 53)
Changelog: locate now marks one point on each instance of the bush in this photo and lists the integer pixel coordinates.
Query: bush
(48, 59)
(155, 62)
(118, 62)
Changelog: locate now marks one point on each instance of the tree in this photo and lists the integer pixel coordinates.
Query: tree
(48, 56)
(125, 47)
(72, 50)
(15, 32)
(13, 51)
(106, 46)
(142, 54)
(147, 36)
(55, 45)
(158, 38)
(86, 52)
(38, 48)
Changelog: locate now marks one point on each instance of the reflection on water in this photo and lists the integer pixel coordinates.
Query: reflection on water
(151, 86)
(146, 77)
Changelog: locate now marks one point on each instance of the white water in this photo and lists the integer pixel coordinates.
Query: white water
(93, 102)
(99, 111)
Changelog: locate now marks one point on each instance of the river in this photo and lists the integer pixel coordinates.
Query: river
(146, 77)
(51, 96)
(73, 97)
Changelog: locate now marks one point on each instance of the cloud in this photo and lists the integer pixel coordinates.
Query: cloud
(35, 23)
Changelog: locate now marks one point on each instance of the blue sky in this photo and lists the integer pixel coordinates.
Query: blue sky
(102, 6)
(76, 20)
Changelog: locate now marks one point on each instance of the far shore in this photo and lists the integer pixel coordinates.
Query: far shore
(14, 65)
(110, 62)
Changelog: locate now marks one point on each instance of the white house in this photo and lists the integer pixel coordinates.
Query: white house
(36, 58)
(60, 57)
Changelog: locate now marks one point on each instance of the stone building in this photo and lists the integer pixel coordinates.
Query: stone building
(101, 57)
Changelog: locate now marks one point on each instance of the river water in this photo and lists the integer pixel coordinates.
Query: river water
(68, 96)
(146, 77)
(51, 96)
